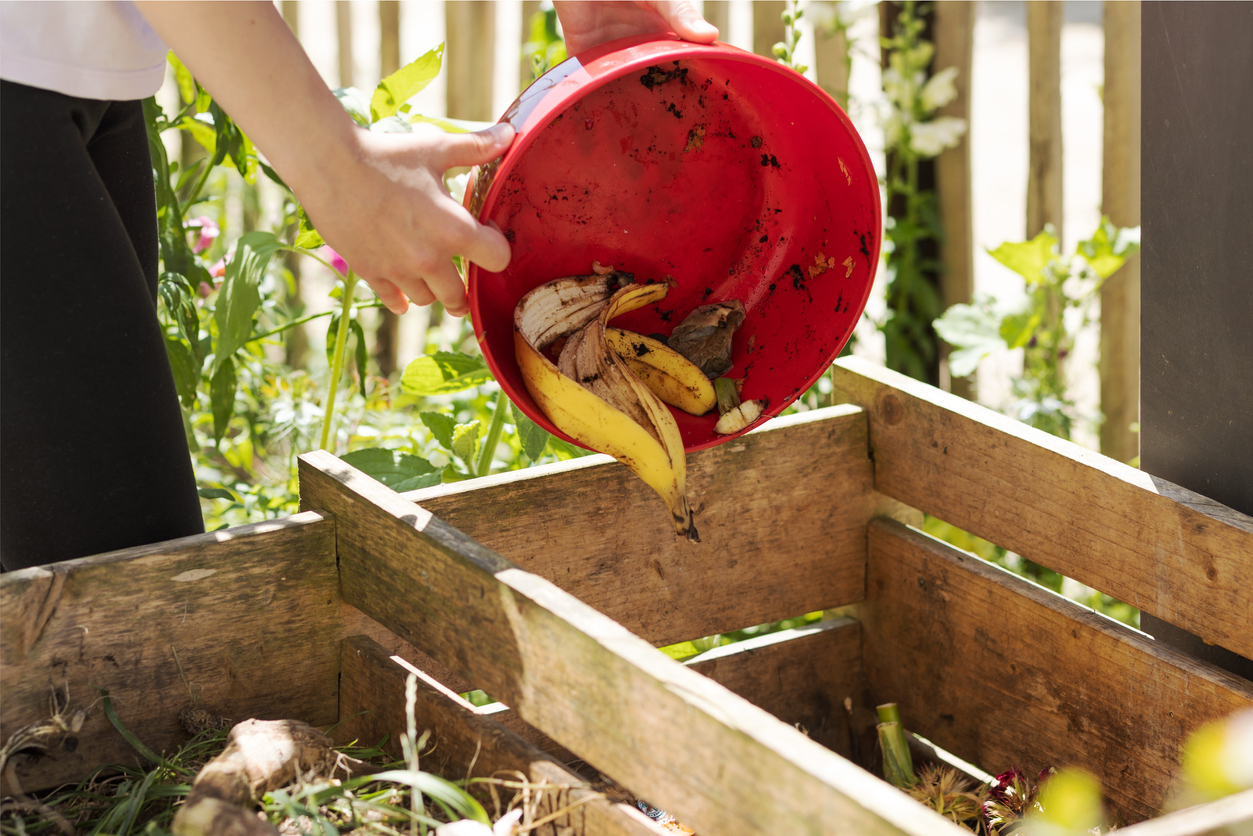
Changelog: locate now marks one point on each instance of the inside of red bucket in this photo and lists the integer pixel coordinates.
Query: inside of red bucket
(728, 176)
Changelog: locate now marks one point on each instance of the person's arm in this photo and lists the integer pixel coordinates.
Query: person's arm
(587, 23)
(377, 198)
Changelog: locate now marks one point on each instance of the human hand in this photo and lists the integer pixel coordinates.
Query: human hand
(385, 209)
(588, 23)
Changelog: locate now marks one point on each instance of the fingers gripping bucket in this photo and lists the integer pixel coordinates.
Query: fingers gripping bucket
(722, 170)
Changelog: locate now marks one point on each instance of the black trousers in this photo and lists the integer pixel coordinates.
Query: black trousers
(93, 456)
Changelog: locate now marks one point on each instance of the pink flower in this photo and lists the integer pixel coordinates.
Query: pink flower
(218, 270)
(208, 231)
(337, 261)
(205, 289)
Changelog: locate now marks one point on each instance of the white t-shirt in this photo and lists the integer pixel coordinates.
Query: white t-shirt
(92, 49)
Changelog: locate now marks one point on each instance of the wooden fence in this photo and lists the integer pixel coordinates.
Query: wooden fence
(470, 27)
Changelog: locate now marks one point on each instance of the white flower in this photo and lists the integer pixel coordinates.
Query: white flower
(940, 90)
(929, 139)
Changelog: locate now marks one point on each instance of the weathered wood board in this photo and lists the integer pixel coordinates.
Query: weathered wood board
(1165, 550)
(782, 515)
(684, 742)
(465, 741)
(252, 614)
(1002, 672)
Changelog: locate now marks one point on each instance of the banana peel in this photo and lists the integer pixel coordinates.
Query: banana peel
(671, 376)
(591, 394)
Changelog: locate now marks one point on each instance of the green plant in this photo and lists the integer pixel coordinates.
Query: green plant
(912, 134)
(1055, 284)
(545, 48)
(785, 50)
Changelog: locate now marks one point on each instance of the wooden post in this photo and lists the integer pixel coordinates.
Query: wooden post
(529, 9)
(297, 344)
(767, 25)
(387, 334)
(718, 12)
(343, 28)
(954, 46)
(1044, 173)
(1120, 200)
(471, 26)
(831, 57)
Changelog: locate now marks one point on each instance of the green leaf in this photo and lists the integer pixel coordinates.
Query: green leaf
(465, 438)
(222, 388)
(443, 373)
(216, 493)
(450, 127)
(439, 789)
(391, 125)
(240, 296)
(354, 101)
(1109, 247)
(1017, 329)
(405, 83)
(186, 85)
(393, 468)
(356, 333)
(308, 237)
(441, 427)
(565, 450)
(974, 333)
(1028, 258)
(531, 435)
(186, 371)
(201, 129)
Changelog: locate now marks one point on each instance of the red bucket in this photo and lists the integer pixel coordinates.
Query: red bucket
(728, 172)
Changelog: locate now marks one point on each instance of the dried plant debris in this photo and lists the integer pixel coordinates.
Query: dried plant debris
(704, 337)
(950, 793)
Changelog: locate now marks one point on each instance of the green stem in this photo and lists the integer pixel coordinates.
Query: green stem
(337, 360)
(182, 209)
(309, 318)
(493, 436)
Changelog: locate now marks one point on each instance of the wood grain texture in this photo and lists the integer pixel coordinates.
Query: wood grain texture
(768, 28)
(782, 514)
(464, 740)
(470, 27)
(801, 676)
(253, 614)
(1159, 547)
(1044, 72)
(678, 739)
(1002, 672)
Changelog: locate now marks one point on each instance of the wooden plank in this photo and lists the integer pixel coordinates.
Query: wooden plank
(954, 47)
(1004, 673)
(678, 739)
(768, 28)
(1202, 820)
(387, 329)
(465, 741)
(343, 40)
(802, 676)
(1120, 200)
(1044, 74)
(1159, 547)
(252, 614)
(782, 514)
(832, 59)
(718, 13)
(525, 73)
(470, 58)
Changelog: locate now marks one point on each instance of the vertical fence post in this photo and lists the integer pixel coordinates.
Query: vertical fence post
(470, 57)
(767, 25)
(343, 29)
(297, 343)
(954, 47)
(1120, 200)
(387, 334)
(529, 9)
(1044, 172)
(718, 12)
(831, 57)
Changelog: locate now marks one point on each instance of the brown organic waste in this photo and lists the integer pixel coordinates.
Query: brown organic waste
(704, 337)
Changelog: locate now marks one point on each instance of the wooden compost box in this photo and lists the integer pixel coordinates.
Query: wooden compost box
(550, 589)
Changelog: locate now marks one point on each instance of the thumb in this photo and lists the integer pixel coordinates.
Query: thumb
(687, 23)
(478, 147)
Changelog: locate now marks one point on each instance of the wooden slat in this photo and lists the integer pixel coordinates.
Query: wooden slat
(470, 57)
(1159, 547)
(801, 676)
(343, 40)
(687, 744)
(1044, 71)
(832, 61)
(253, 614)
(768, 28)
(1202, 820)
(782, 515)
(954, 47)
(464, 740)
(1120, 200)
(1004, 673)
